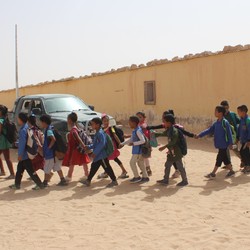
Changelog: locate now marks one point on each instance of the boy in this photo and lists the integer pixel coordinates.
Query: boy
(174, 151)
(136, 140)
(100, 157)
(244, 136)
(223, 140)
(24, 163)
(51, 162)
(231, 117)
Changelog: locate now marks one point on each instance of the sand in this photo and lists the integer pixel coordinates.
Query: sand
(205, 215)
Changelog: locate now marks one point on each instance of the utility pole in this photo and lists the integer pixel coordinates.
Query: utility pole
(17, 87)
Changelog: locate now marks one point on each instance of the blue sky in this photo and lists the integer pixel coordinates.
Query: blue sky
(63, 38)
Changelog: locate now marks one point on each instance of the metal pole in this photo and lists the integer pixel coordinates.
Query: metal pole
(17, 87)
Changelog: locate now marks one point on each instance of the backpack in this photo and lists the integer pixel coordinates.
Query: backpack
(119, 132)
(86, 139)
(234, 134)
(146, 148)
(182, 142)
(31, 145)
(11, 131)
(60, 147)
(109, 147)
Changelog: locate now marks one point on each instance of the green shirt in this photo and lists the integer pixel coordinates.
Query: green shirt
(173, 143)
(4, 144)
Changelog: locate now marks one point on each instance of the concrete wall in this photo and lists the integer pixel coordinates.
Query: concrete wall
(191, 87)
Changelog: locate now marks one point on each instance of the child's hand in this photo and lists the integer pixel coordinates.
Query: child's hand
(248, 144)
(131, 144)
(162, 148)
(93, 156)
(230, 147)
(120, 146)
(196, 137)
(19, 158)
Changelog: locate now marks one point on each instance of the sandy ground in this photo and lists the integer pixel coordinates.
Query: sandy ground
(205, 215)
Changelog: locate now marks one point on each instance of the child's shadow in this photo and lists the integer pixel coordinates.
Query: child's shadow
(81, 191)
(157, 191)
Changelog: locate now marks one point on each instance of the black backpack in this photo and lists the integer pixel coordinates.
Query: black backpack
(182, 142)
(11, 131)
(119, 132)
(60, 146)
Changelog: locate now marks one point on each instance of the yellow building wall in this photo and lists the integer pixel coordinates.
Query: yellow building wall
(191, 87)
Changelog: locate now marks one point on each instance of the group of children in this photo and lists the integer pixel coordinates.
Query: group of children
(228, 130)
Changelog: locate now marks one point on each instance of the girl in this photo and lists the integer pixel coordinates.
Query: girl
(38, 162)
(4, 144)
(143, 125)
(73, 156)
(116, 142)
(176, 174)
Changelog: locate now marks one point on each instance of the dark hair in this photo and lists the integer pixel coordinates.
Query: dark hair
(134, 119)
(73, 117)
(46, 119)
(168, 112)
(23, 117)
(32, 120)
(221, 109)
(142, 114)
(4, 110)
(224, 103)
(243, 108)
(97, 121)
(169, 118)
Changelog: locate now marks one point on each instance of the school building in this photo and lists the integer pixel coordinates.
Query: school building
(192, 86)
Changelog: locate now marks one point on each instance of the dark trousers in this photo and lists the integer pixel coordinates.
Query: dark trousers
(179, 166)
(106, 166)
(21, 167)
(245, 155)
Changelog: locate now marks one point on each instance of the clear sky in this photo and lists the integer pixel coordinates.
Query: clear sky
(63, 38)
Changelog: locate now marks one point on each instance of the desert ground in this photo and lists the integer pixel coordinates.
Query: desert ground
(211, 214)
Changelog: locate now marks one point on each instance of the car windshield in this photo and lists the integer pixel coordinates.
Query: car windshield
(65, 104)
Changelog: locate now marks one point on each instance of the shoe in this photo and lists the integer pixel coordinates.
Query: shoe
(38, 187)
(144, 180)
(62, 183)
(86, 183)
(102, 176)
(176, 174)
(163, 182)
(123, 176)
(230, 174)
(10, 177)
(182, 183)
(135, 180)
(68, 179)
(84, 178)
(112, 184)
(2, 174)
(210, 176)
(246, 170)
(14, 187)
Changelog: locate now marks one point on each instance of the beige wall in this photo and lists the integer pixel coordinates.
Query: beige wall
(191, 87)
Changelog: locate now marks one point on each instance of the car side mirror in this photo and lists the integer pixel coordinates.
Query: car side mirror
(92, 107)
(36, 111)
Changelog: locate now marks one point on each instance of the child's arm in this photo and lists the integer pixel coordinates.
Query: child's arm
(141, 139)
(189, 134)
(161, 134)
(208, 131)
(52, 141)
(155, 127)
(248, 134)
(128, 142)
(229, 134)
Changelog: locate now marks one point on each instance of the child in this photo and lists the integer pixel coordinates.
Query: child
(143, 125)
(5, 145)
(116, 141)
(222, 140)
(244, 136)
(51, 162)
(174, 151)
(100, 157)
(137, 139)
(24, 163)
(73, 156)
(176, 174)
(38, 162)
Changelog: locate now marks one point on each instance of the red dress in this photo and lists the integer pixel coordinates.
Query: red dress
(73, 156)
